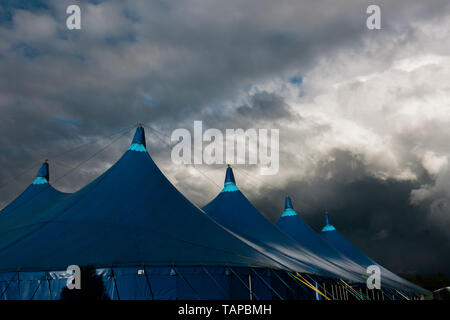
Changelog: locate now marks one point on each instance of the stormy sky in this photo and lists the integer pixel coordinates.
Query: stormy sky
(364, 115)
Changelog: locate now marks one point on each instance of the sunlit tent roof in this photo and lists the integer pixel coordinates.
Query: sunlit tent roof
(335, 239)
(130, 215)
(234, 211)
(294, 226)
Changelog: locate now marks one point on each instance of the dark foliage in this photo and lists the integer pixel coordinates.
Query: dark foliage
(92, 287)
(430, 282)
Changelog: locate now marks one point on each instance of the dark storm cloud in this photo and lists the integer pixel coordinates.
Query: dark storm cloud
(264, 105)
(373, 214)
(169, 63)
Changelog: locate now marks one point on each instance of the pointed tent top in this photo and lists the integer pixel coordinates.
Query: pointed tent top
(229, 177)
(230, 182)
(328, 226)
(43, 175)
(288, 203)
(138, 143)
(288, 208)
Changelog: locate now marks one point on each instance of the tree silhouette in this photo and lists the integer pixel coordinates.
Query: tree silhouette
(92, 287)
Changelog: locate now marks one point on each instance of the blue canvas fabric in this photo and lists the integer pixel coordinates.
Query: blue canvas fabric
(31, 209)
(339, 242)
(232, 209)
(291, 224)
(161, 283)
(139, 137)
(40, 186)
(130, 215)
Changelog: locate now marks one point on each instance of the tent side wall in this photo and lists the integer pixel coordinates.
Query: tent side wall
(162, 283)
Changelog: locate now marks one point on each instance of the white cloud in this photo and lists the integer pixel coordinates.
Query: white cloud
(394, 113)
(434, 163)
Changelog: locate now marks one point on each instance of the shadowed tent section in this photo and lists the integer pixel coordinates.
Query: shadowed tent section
(339, 242)
(35, 205)
(40, 186)
(234, 211)
(291, 224)
(130, 215)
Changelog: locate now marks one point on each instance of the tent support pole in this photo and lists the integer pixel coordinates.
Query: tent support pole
(37, 288)
(243, 282)
(18, 283)
(115, 283)
(323, 288)
(47, 275)
(250, 286)
(148, 282)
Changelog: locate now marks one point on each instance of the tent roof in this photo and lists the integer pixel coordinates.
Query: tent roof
(33, 205)
(234, 211)
(130, 215)
(338, 241)
(294, 226)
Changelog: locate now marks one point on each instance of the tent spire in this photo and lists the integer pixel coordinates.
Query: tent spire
(43, 175)
(138, 143)
(288, 208)
(288, 203)
(327, 218)
(328, 225)
(229, 176)
(230, 182)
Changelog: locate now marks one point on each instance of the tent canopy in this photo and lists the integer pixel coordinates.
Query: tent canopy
(130, 215)
(338, 241)
(294, 226)
(233, 210)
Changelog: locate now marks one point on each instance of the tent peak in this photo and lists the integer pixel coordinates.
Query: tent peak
(328, 225)
(288, 208)
(138, 143)
(230, 182)
(229, 176)
(43, 175)
(288, 203)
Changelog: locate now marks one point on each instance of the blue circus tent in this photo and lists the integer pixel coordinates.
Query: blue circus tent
(339, 242)
(144, 238)
(291, 224)
(233, 210)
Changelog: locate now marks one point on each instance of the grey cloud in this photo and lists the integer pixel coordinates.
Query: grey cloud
(264, 105)
(169, 63)
(374, 214)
